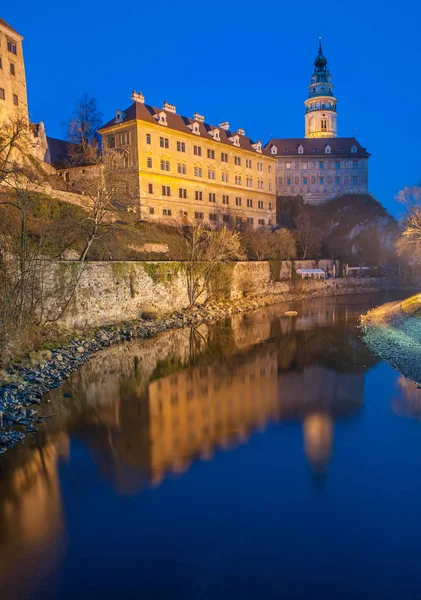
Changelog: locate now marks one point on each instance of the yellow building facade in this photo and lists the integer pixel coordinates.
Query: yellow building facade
(187, 170)
(13, 96)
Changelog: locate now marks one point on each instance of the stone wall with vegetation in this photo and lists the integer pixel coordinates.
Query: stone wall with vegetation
(112, 292)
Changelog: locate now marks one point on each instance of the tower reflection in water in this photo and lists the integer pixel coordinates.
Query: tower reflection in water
(148, 409)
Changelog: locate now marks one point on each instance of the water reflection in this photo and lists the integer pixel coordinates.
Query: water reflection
(148, 409)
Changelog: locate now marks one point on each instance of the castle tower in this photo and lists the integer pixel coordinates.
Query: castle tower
(13, 99)
(320, 116)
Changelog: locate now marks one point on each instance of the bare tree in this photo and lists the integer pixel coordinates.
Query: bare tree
(109, 198)
(307, 235)
(263, 244)
(206, 249)
(82, 132)
(25, 231)
(410, 197)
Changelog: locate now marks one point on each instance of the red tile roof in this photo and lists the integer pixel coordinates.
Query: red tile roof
(340, 146)
(145, 112)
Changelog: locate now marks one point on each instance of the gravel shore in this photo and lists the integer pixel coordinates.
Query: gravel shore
(393, 332)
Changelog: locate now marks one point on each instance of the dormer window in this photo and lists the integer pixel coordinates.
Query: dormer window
(354, 149)
(328, 149)
(215, 134)
(235, 139)
(300, 149)
(162, 118)
(119, 116)
(274, 150)
(195, 127)
(258, 147)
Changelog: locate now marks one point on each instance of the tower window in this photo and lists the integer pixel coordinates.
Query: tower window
(324, 125)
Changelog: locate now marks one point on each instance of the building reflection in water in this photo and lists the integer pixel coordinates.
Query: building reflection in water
(31, 517)
(408, 401)
(148, 409)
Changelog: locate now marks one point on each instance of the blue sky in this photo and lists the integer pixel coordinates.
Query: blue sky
(244, 62)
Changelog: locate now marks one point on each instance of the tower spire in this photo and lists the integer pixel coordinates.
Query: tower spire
(320, 118)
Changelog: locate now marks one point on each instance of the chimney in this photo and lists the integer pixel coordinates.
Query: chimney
(138, 97)
(169, 107)
(225, 125)
(241, 131)
(198, 117)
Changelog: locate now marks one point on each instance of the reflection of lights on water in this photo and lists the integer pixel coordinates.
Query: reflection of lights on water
(408, 403)
(318, 439)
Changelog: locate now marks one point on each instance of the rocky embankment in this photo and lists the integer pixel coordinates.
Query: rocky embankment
(25, 386)
(393, 331)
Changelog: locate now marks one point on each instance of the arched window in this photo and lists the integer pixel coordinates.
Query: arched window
(313, 179)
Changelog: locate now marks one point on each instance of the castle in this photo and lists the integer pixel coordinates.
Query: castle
(186, 168)
(321, 165)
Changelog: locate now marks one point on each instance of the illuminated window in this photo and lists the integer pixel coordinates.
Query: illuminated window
(288, 165)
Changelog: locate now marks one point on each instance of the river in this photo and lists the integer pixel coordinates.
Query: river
(259, 457)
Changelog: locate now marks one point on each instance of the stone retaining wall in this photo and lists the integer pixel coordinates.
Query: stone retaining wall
(114, 292)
